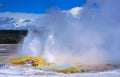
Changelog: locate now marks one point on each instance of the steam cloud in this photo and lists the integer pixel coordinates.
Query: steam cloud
(92, 37)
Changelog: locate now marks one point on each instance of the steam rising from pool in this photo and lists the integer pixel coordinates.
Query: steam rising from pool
(90, 37)
(38, 43)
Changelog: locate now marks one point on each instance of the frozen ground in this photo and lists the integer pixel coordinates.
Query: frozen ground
(13, 71)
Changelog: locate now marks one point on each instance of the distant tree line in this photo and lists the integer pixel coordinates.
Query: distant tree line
(11, 36)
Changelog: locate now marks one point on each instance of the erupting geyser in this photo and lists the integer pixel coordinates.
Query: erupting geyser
(38, 43)
(88, 35)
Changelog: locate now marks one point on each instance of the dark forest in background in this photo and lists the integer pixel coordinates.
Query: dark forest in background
(11, 36)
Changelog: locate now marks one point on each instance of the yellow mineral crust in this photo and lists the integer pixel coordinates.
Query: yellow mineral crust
(33, 60)
(44, 65)
(70, 70)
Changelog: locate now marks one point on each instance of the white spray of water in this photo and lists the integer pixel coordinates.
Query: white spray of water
(91, 37)
(37, 43)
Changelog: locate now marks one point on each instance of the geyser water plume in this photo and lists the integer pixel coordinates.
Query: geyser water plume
(37, 43)
(91, 38)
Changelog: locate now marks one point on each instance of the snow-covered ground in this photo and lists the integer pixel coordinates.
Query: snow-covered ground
(13, 71)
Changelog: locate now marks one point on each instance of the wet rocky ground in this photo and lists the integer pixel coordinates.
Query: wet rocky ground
(8, 51)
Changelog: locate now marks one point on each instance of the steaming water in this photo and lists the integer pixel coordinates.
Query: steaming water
(38, 43)
(91, 37)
